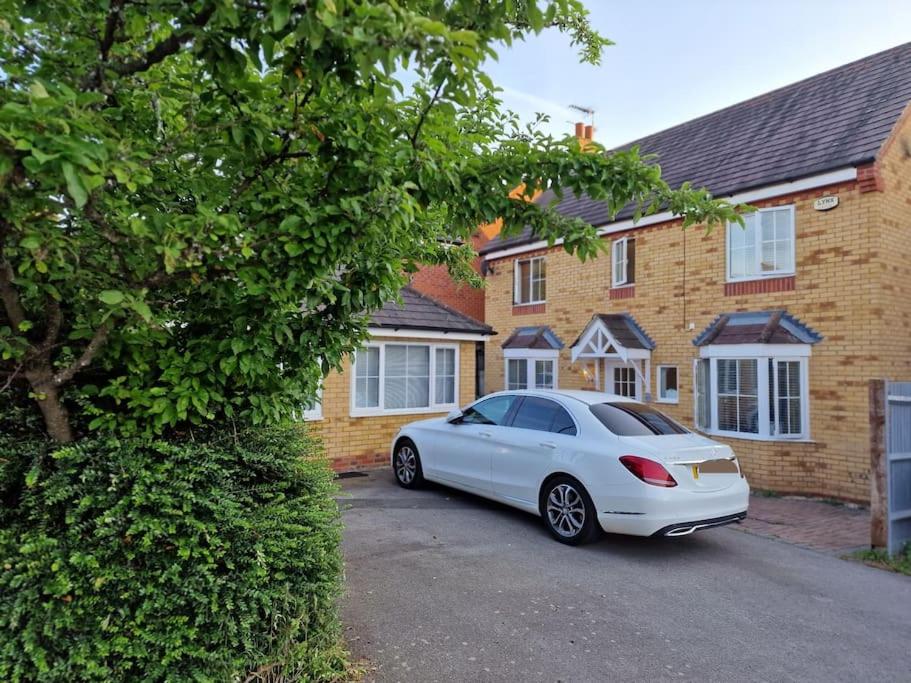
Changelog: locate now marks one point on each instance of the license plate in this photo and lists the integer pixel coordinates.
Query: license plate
(715, 467)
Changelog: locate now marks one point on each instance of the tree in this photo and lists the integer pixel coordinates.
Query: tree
(200, 199)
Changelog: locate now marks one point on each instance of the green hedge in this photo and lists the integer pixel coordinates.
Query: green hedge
(151, 561)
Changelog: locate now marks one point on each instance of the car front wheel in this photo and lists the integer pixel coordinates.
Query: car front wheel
(406, 465)
(568, 511)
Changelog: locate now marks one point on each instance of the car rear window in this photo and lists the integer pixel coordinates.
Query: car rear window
(635, 419)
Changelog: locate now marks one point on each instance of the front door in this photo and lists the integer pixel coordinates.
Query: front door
(621, 379)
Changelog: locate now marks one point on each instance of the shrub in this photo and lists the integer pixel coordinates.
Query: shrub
(141, 560)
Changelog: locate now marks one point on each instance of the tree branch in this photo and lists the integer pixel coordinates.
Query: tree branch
(168, 46)
(10, 297)
(54, 321)
(98, 340)
(110, 28)
(425, 112)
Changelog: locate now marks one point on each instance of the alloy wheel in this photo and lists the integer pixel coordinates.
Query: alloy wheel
(406, 464)
(565, 510)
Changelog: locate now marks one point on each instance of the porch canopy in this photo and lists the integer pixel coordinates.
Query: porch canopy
(615, 338)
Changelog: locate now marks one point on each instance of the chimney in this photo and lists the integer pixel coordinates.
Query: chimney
(589, 133)
(580, 130)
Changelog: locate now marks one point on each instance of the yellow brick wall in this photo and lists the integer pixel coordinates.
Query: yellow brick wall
(363, 442)
(893, 298)
(839, 291)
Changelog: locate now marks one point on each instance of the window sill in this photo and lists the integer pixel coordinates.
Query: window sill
(622, 291)
(377, 412)
(760, 285)
(754, 437)
(528, 309)
(668, 401)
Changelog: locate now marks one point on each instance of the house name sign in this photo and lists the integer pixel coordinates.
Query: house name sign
(825, 203)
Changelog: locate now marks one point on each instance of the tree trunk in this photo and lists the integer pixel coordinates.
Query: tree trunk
(56, 417)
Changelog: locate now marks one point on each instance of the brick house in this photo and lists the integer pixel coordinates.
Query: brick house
(419, 362)
(765, 337)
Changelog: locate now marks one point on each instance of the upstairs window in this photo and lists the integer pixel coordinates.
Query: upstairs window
(530, 285)
(764, 247)
(623, 262)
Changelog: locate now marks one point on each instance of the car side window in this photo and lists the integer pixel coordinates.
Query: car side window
(543, 415)
(491, 411)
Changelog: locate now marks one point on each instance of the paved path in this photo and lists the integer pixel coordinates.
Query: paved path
(827, 527)
(447, 587)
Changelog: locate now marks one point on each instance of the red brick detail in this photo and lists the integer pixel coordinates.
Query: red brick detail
(764, 286)
(869, 179)
(435, 282)
(623, 292)
(527, 309)
(357, 462)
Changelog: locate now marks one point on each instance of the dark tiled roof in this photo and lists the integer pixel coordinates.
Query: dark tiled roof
(624, 329)
(762, 327)
(419, 312)
(835, 119)
(533, 338)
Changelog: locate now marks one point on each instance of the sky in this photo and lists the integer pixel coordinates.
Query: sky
(676, 60)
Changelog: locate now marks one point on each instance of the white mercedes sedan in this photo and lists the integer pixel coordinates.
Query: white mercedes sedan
(583, 461)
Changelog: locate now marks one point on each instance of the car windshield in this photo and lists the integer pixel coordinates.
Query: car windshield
(635, 419)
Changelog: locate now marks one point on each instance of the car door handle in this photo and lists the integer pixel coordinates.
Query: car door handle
(487, 434)
(547, 444)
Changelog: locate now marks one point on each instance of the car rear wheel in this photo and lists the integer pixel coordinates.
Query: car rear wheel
(568, 511)
(406, 465)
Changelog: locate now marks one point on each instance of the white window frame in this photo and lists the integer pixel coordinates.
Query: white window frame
(530, 356)
(620, 256)
(315, 413)
(517, 284)
(659, 382)
(762, 353)
(433, 407)
(759, 274)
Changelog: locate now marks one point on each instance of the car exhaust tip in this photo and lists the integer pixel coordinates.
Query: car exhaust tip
(686, 528)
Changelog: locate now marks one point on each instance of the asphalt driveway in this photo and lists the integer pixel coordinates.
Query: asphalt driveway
(443, 586)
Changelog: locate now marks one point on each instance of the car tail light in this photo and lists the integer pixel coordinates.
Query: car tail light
(649, 471)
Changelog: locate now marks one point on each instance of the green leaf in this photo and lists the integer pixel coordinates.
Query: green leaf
(111, 297)
(38, 91)
(30, 242)
(281, 13)
(142, 308)
(74, 185)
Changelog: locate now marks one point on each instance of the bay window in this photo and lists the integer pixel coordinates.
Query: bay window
(404, 378)
(763, 247)
(531, 369)
(762, 394)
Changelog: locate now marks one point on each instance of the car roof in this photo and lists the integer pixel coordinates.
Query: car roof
(584, 396)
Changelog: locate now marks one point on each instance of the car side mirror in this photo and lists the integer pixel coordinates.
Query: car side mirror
(454, 416)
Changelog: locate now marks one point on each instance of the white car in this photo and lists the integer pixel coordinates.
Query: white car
(582, 460)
